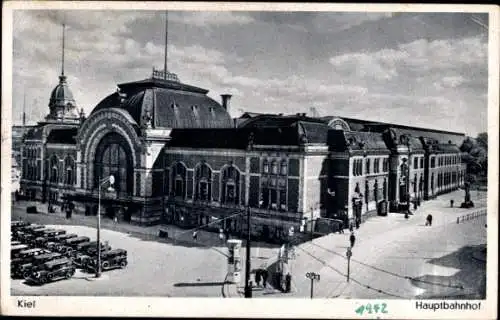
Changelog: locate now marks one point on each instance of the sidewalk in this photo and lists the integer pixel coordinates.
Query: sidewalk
(175, 234)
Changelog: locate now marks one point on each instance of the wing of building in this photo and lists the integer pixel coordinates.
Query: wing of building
(178, 157)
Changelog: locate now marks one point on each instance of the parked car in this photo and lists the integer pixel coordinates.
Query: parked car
(112, 259)
(25, 257)
(25, 270)
(69, 245)
(16, 225)
(58, 269)
(15, 250)
(91, 247)
(87, 251)
(32, 227)
(52, 234)
(39, 242)
(64, 237)
(42, 231)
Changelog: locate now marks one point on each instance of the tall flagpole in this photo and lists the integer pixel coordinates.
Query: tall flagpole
(62, 62)
(166, 43)
(24, 109)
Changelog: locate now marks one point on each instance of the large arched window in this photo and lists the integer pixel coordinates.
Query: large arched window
(203, 190)
(54, 169)
(113, 157)
(179, 180)
(69, 168)
(230, 185)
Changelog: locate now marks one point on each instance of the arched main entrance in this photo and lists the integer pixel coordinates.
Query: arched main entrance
(113, 156)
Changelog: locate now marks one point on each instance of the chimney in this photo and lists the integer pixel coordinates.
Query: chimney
(225, 101)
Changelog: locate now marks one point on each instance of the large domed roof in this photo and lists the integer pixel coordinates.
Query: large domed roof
(162, 103)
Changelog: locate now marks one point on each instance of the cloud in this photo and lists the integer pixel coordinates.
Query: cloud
(440, 83)
(211, 18)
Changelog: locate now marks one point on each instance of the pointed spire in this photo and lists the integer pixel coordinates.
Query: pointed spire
(62, 62)
(24, 109)
(166, 44)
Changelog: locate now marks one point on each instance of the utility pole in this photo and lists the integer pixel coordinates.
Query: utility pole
(248, 288)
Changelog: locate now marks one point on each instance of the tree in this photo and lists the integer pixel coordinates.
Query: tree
(476, 154)
(482, 140)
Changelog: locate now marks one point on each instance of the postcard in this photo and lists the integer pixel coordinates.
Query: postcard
(253, 160)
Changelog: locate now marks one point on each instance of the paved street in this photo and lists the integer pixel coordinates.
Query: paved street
(387, 250)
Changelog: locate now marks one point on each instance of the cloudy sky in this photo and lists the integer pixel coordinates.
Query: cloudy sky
(423, 69)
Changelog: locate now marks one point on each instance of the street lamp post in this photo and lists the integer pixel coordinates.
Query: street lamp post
(111, 180)
(248, 288)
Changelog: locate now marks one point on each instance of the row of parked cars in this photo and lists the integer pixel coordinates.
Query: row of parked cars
(40, 254)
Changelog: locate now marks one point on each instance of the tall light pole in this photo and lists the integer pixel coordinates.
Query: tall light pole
(111, 180)
(248, 289)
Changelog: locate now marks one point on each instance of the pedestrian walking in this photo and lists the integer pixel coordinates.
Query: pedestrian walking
(351, 227)
(195, 235)
(341, 227)
(257, 277)
(264, 277)
(428, 220)
(451, 203)
(352, 239)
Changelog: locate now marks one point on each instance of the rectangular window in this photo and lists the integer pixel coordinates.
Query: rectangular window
(415, 163)
(421, 162)
(264, 202)
(368, 166)
(433, 162)
(283, 200)
(274, 199)
(376, 165)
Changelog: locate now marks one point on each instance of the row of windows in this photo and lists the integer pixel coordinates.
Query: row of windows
(273, 194)
(445, 161)
(418, 163)
(446, 178)
(272, 167)
(448, 160)
(31, 170)
(230, 189)
(376, 194)
(68, 175)
(357, 168)
(32, 153)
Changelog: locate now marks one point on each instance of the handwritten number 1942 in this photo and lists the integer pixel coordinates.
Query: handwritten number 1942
(372, 308)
